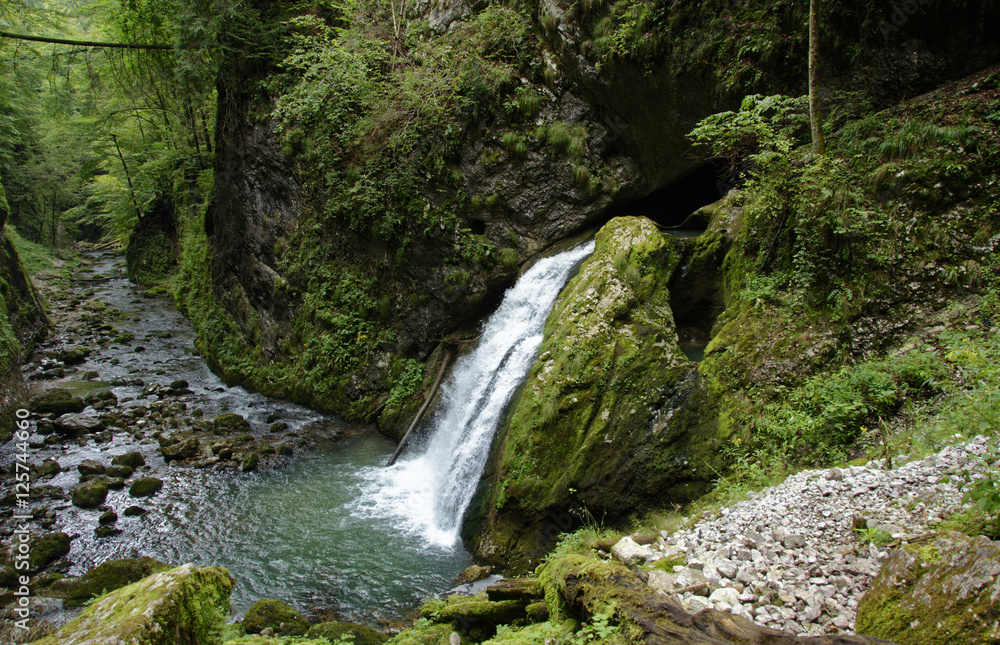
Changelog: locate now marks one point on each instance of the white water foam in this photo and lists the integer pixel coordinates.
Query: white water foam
(430, 487)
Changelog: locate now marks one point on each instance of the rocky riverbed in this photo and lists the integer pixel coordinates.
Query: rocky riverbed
(799, 556)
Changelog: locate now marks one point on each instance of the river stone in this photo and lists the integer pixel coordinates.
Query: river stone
(180, 605)
(73, 355)
(119, 470)
(73, 424)
(134, 511)
(47, 549)
(48, 468)
(230, 423)
(333, 631)
(280, 617)
(946, 592)
(145, 486)
(91, 467)
(132, 459)
(56, 401)
(472, 573)
(187, 449)
(250, 462)
(109, 517)
(90, 494)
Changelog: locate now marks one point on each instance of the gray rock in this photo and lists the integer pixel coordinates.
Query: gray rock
(628, 552)
(74, 424)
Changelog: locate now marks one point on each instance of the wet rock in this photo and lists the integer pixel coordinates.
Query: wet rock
(274, 416)
(334, 631)
(114, 483)
(119, 471)
(74, 425)
(182, 603)
(56, 401)
(285, 450)
(90, 494)
(45, 427)
(48, 468)
(230, 423)
(179, 384)
(132, 459)
(109, 517)
(47, 549)
(145, 486)
(104, 531)
(91, 467)
(250, 462)
(279, 616)
(187, 449)
(134, 511)
(73, 355)
(473, 573)
(280, 426)
(101, 399)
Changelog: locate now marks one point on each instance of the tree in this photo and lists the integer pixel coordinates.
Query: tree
(815, 119)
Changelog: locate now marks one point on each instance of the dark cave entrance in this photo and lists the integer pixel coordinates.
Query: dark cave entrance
(672, 205)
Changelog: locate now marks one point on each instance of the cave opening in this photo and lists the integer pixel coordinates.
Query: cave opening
(672, 205)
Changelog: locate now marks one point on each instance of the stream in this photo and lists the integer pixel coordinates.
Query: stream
(286, 530)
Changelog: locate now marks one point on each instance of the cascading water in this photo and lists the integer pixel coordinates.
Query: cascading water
(430, 488)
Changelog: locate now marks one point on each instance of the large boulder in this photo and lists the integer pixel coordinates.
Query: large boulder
(73, 425)
(48, 548)
(56, 401)
(605, 418)
(145, 486)
(181, 605)
(280, 617)
(943, 592)
(105, 577)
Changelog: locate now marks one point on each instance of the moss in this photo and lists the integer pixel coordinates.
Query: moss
(932, 594)
(145, 486)
(334, 630)
(47, 549)
(590, 428)
(230, 423)
(281, 617)
(90, 494)
(181, 605)
(423, 632)
(106, 577)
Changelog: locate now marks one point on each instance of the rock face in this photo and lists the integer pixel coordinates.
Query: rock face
(181, 605)
(151, 252)
(943, 591)
(603, 420)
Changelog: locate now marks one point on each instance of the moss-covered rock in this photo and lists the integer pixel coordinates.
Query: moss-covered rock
(105, 577)
(47, 549)
(56, 401)
(230, 423)
(90, 494)
(334, 630)
(947, 591)
(180, 605)
(145, 486)
(281, 617)
(605, 417)
(132, 459)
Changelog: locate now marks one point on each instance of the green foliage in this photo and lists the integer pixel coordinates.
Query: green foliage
(571, 139)
(764, 126)
(34, 256)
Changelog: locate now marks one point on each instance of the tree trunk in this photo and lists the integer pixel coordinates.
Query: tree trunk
(815, 119)
(589, 590)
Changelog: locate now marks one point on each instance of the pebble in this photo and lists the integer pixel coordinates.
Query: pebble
(788, 557)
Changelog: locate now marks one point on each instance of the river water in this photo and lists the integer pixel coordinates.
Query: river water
(285, 532)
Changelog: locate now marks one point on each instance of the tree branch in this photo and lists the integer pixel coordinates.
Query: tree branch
(83, 43)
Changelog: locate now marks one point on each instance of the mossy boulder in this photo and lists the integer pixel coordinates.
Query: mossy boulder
(606, 417)
(180, 605)
(230, 423)
(73, 355)
(281, 617)
(56, 401)
(145, 486)
(947, 591)
(132, 459)
(90, 494)
(187, 449)
(334, 630)
(105, 577)
(48, 548)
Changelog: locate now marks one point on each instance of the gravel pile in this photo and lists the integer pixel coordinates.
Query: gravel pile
(790, 558)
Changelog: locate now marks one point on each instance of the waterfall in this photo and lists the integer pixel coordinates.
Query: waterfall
(430, 487)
